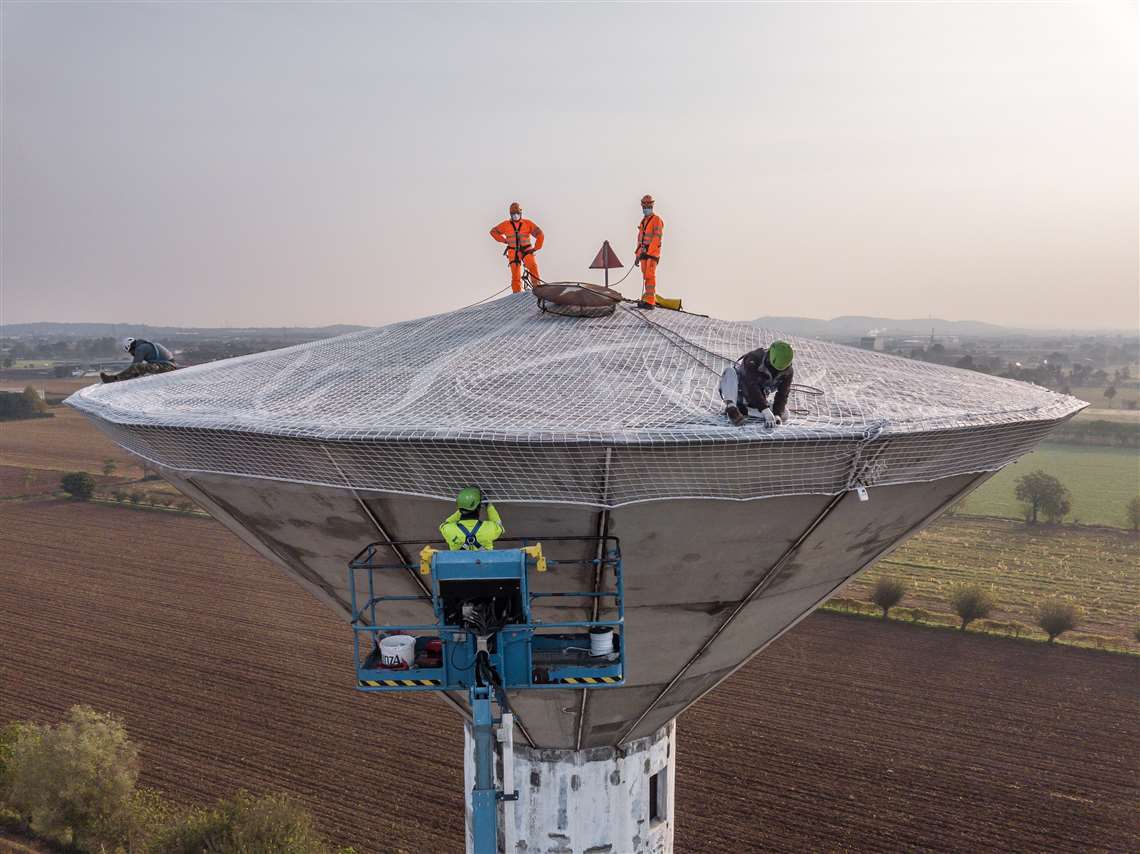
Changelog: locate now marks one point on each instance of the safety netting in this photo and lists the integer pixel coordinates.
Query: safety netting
(533, 406)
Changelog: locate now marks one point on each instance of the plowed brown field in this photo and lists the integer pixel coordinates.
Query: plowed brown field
(846, 735)
(66, 442)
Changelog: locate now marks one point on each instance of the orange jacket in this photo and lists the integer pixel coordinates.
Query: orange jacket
(517, 234)
(649, 235)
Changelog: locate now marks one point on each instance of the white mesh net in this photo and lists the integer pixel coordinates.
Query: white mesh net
(537, 407)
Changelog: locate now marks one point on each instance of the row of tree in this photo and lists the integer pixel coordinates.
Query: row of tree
(74, 348)
(15, 406)
(971, 602)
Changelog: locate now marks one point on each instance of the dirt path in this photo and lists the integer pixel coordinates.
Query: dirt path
(846, 735)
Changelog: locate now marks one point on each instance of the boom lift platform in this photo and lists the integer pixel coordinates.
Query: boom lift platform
(486, 640)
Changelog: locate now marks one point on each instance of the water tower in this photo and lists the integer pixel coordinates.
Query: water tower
(584, 427)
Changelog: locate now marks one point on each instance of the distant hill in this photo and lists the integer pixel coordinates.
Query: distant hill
(854, 326)
(141, 330)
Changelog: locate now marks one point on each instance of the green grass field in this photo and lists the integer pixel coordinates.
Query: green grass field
(1101, 481)
(1095, 396)
(1022, 565)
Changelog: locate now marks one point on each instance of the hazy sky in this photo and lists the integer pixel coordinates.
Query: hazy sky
(296, 164)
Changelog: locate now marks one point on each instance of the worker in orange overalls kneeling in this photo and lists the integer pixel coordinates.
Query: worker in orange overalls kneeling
(648, 251)
(516, 233)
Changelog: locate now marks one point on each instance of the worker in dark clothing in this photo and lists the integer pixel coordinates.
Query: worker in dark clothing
(746, 384)
(148, 358)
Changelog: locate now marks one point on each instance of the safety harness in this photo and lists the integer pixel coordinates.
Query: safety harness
(520, 250)
(472, 542)
(643, 244)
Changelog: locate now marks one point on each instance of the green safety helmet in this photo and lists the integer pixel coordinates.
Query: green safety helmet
(780, 355)
(469, 498)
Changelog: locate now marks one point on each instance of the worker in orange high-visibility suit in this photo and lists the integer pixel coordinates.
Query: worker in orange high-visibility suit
(516, 233)
(648, 251)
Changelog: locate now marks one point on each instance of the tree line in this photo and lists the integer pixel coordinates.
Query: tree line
(972, 602)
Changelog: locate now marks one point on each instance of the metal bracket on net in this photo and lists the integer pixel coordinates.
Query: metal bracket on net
(858, 474)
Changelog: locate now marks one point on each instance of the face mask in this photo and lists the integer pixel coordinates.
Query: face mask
(646, 211)
(516, 217)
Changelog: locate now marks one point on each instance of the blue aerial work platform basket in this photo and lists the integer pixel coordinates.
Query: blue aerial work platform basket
(487, 640)
(525, 651)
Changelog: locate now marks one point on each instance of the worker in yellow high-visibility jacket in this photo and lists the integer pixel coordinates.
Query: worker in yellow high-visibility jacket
(463, 529)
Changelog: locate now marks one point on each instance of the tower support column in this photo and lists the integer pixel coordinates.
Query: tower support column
(602, 800)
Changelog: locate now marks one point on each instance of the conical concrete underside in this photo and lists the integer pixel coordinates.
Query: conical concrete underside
(575, 427)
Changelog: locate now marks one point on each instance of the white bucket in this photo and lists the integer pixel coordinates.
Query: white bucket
(601, 641)
(398, 651)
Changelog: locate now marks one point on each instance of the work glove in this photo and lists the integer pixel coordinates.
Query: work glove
(768, 418)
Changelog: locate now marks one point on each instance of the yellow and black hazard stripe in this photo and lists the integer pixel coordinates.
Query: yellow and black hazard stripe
(589, 680)
(399, 683)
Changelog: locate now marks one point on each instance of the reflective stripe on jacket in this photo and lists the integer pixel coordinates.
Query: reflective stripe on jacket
(517, 235)
(649, 235)
(472, 534)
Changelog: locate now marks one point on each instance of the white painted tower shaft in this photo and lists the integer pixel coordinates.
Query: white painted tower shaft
(602, 800)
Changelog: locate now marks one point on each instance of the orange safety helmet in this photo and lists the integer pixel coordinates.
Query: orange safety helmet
(647, 201)
(516, 207)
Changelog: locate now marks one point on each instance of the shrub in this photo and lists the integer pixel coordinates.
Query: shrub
(10, 820)
(119, 495)
(971, 602)
(270, 824)
(78, 484)
(136, 497)
(1056, 616)
(27, 404)
(150, 815)
(1042, 494)
(73, 782)
(852, 606)
(919, 615)
(9, 735)
(1132, 514)
(1136, 634)
(109, 466)
(888, 592)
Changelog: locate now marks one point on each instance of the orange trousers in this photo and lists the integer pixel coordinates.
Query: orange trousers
(516, 269)
(649, 276)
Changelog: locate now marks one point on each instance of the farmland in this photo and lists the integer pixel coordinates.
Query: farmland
(1126, 394)
(939, 741)
(1022, 565)
(1101, 481)
(67, 442)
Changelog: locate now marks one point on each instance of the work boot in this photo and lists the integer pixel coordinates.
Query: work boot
(643, 304)
(107, 378)
(735, 415)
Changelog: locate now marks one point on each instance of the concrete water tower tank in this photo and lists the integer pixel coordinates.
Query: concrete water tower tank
(576, 427)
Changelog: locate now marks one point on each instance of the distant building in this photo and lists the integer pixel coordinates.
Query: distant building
(872, 342)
